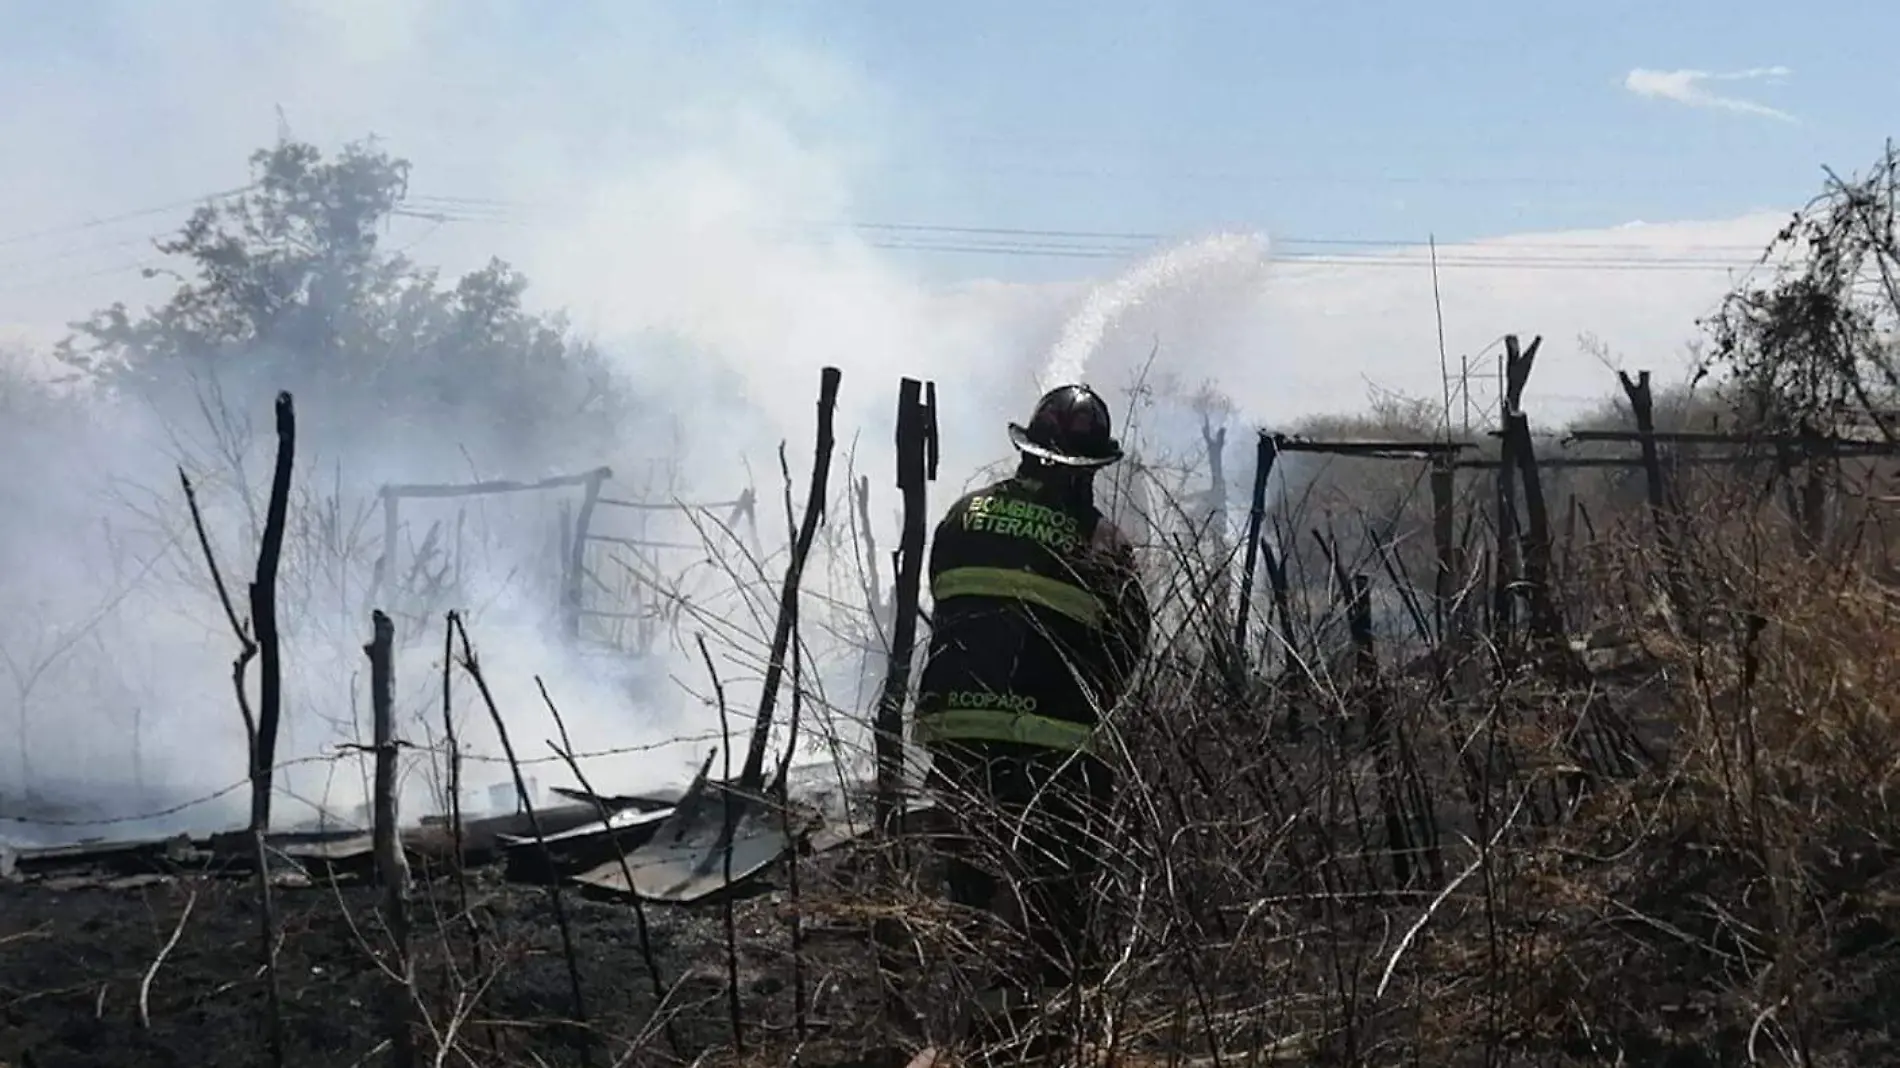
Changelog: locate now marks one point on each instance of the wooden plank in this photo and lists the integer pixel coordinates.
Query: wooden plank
(1376, 449)
(669, 506)
(1872, 446)
(472, 489)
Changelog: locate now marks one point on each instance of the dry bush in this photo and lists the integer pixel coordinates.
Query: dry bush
(1682, 857)
(1350, 855)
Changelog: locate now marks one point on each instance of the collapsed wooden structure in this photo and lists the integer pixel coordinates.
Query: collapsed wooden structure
(626, 615)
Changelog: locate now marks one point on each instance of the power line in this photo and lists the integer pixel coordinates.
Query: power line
(40, 283)
(1341, 242)
(1103, 244)
(1252, 178)
(459, 208)
(1598, 264)
(1336, 260)
(1018, 242)
(73, 253)
(456, 208)
(109, 220)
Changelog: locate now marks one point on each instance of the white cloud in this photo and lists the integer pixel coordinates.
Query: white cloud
(1690, 87)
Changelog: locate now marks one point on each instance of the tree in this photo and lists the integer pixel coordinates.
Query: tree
(287, 286)
(1813, 349)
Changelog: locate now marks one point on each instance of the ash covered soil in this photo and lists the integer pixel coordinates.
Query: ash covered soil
(74, 949)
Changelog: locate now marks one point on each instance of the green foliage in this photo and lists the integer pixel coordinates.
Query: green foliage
(288, 286)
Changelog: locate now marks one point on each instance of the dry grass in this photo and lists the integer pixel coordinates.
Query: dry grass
(1681, 857)
(1684, 857)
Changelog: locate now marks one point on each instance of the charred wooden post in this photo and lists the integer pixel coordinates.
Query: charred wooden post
(1643, 409)
(577, 550)
(392, 867)
(753, 774)
(1509, 569)
(916, 466)
(1265, 452)
(264, 616)
(1504, 570)
(1534, 545)
(270, 699)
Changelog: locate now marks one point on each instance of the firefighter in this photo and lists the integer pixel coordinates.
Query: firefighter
(1039, 620)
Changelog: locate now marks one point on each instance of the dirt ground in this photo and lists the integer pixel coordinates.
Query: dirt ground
(74, 950)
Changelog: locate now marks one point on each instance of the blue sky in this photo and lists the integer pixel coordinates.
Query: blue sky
(1357, 120)
(624, 146)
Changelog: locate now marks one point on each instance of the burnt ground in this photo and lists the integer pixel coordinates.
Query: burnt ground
(74, 948)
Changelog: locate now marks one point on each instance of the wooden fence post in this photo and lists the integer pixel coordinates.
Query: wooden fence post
(1265, 452)
(916, 466)
(1643, 409)
(270, 697)
(577, 549)
(1509, 568)
(1534, 541)
(752, 776)
(392, 867)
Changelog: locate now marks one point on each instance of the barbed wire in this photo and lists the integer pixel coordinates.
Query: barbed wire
(346, 751)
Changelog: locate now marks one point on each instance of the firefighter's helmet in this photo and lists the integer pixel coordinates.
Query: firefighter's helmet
(1071, 428)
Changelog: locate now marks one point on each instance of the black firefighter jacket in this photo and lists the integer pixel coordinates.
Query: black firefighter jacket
(1039, 621)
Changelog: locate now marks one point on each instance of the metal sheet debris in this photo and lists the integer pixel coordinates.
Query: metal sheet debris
(130, 857)
(664, 845)
(578, 849)
(655, 801)
(690, 855)
(686, 860)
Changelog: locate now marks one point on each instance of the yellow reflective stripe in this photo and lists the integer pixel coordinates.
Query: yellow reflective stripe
(991, 725)
(1057, 596)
